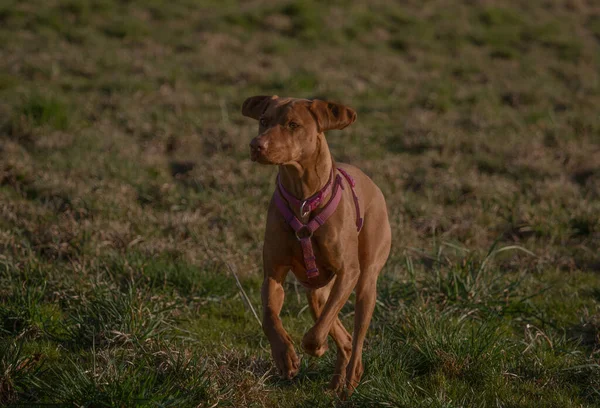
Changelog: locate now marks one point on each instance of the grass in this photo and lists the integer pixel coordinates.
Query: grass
(127, 198)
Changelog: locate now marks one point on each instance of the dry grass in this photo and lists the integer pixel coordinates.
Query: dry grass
(126, 187)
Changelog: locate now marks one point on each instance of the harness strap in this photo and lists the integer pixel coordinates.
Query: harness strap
(359, 220)
(304, 232)
(310, 262)
(311, 203)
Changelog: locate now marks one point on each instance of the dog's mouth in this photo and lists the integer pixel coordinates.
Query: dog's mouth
(259, 157)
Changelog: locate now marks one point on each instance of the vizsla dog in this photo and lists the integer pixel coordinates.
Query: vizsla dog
(327, 223)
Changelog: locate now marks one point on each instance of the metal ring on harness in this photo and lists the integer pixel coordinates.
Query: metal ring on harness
(302, 228)
(303, 212)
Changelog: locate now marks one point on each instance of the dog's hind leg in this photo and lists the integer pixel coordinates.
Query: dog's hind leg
(374, 248)
(339, 334)
(366, 294)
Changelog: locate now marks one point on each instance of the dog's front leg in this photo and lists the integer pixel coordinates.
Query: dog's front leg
(285, 357)
(314, 341)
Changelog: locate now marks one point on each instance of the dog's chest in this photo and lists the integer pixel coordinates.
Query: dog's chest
(328, 256)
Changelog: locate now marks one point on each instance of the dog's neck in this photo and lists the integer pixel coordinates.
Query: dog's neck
(305, 178)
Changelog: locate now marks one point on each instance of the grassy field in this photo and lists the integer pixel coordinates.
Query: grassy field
(127, 198)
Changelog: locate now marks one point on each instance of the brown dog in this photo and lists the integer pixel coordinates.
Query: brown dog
(290, 135)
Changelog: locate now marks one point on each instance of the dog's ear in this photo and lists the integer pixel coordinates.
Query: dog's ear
(255, 106)
(331, 115)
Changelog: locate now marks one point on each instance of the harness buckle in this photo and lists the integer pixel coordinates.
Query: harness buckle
(304, 227)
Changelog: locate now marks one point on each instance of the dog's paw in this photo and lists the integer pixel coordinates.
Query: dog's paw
(337, 382)
(286, 361)
(354, 373)
(314, 345)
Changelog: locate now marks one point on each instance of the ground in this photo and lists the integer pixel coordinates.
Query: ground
(128, 200)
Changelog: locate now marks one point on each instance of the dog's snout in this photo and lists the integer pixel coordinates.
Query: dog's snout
(258, 144)
(258, 148)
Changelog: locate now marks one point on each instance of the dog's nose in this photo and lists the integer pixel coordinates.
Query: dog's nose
(258, 144)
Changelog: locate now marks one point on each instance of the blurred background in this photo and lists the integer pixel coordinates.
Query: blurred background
(128, 200)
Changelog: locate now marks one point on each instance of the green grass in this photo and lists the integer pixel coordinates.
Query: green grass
(127, 197)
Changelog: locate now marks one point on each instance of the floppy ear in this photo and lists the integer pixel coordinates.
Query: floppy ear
(255, 106)
(331, 115)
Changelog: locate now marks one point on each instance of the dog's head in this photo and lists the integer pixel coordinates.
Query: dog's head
(288, 128)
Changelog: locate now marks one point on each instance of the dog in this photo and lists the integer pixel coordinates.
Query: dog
(327, 222)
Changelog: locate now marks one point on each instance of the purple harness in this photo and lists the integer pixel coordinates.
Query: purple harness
(304, 232)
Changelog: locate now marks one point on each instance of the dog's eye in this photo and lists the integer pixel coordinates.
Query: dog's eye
(263, 122)
(293, 125)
